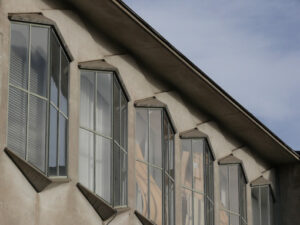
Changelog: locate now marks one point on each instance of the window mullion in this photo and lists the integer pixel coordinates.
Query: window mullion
(48, 105)
(28, 95)
(148, 148)
(112, 153)
(94, 128)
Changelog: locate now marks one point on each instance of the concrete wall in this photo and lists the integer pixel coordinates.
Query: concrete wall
(289, 179)
(61, 202)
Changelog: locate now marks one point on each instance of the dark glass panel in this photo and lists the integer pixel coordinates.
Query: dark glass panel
(155, 178)
(64, 83)
(187, 208)
(63, 139)
(224, 189)
(234, 189)
(117, 175)
(198, 167)
(198, 209)
(117, 111)
(37, 124)
(19, 55)
(39, 60)
(86, 158)
(255, 206)
(123, 122)
(141, 132)
(103, 176)
(54, 68)
(142, 188)
(186, 163)
(17, 121)
(87, 92)
(52, 167)
(104, 103)
(155, 145)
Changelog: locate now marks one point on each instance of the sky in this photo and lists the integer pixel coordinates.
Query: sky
(251, 48)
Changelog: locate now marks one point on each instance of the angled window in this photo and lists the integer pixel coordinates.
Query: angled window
(262, 205)
(38, 97)
(155, 165)
(103, 136)
(197, 182)
(233, 195)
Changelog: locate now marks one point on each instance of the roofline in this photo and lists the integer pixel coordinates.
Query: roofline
(142, 23)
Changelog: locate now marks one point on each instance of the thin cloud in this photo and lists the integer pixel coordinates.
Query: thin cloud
(250, 48)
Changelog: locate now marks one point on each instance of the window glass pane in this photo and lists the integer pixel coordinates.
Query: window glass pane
(52, 168)
(104, 103)
(141, 132)
(117, 112)
(166, 142)
(39, 60)
(54, 68)
(103, 168)
(171, 152)
(234, 189)
(271, 208)
(197, 148)
(211, 177)
(86, 158)
(19, 55)
(255, 206)
(155, 178)
(142, 188)
(117, 175)
(64, 83)
(123, 178)
(171, 203)
(17, 121)
(63, 135)
(166, 199)
(198, 209)
(224, 218)
(224, 186)
(187, 208)
(243, 204)
(87, 91)
(123, 122)
(37, 132)
(155, 151)
(186, 163)
(234, 219)
(264, 205)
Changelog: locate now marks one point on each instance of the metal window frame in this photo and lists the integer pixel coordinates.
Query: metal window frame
(207, 152)
(164, 170)
(47, 98)
(230, 212)
(95, 133)
(270, 198)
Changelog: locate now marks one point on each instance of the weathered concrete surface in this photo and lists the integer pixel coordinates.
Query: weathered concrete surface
(289, 179)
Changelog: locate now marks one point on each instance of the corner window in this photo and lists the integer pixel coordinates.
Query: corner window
(38, 98)
(155, 165)
(262, 205)
(233, 195)
(103, 136)
(197, 182)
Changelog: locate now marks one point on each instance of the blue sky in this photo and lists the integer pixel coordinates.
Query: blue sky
(251, 48)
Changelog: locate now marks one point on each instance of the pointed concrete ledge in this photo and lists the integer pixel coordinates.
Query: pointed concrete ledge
(104, 210)
(260, 181)
(150, 102)
(38, 18)
(231, 159)
(102, 65)
(153, 102)
(143, 219)
(36, 178)
(193, 133)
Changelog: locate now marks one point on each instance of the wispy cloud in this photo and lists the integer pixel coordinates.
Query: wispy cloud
(250, 48)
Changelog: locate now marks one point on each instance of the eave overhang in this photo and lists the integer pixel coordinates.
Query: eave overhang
(125, 28)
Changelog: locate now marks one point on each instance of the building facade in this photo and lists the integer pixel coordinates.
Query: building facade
(102, 121)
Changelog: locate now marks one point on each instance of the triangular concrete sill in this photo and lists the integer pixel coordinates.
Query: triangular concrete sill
(143, 219)
(193, 133)
(35, 177)
(104, 210)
